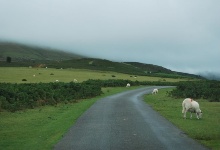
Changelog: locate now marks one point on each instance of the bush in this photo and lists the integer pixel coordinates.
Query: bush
(30, 95)
(21, 96)
(199, 89)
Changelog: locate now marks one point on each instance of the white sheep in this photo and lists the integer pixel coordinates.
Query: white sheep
(191, 106)
(75, 80)
(57, 80)
(128, 85)
(155, 91)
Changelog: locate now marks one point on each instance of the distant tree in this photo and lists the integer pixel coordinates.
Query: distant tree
(8, 59)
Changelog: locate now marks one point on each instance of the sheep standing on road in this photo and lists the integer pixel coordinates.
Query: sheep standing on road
(155, 91)
(191, 106)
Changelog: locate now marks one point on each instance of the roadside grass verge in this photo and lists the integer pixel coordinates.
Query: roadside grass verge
(205, 130)
(41, 128)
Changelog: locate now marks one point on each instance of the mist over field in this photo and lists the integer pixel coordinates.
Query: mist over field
(179, 35)
(211, 75)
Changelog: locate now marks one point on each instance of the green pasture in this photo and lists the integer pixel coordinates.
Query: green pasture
(36, 75)
(41, 128)
(205, 130)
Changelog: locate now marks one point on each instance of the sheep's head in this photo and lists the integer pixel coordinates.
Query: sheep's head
(199, 113)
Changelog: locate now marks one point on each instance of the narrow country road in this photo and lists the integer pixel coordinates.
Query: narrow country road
(124, 122)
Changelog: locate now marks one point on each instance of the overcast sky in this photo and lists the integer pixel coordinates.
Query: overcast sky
(181, 35)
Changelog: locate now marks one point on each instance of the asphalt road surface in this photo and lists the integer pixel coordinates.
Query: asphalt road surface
(124, 122)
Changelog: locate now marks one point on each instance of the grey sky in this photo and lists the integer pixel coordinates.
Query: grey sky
(182, 35)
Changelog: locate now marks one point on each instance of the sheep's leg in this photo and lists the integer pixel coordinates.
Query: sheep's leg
(190, 115)
(184, 114)
(197, 116)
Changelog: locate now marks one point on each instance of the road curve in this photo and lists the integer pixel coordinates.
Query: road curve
(124, 122)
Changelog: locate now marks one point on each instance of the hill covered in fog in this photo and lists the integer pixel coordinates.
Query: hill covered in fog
(19, 52)
(24, 56)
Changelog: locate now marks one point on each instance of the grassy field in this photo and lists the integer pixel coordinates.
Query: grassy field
(16, 74)
(205, 130)
(41, 128)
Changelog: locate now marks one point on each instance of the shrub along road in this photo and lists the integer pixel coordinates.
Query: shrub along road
(124, 121)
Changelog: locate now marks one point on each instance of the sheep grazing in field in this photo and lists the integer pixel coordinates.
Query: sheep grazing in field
(191, 106)
(155, 91)
(128, 85)
(75, 80)
(57, 80)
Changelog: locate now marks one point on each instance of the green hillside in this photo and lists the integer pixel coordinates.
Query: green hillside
(150, 68)
(20, 52)
(25, 56)
(154, 70)
(98, 64)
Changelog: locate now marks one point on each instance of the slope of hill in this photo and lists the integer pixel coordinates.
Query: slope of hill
(19, 52)
(150, 68)
(154, 70)
(132, 68)
(24, 56)
(98, 64)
